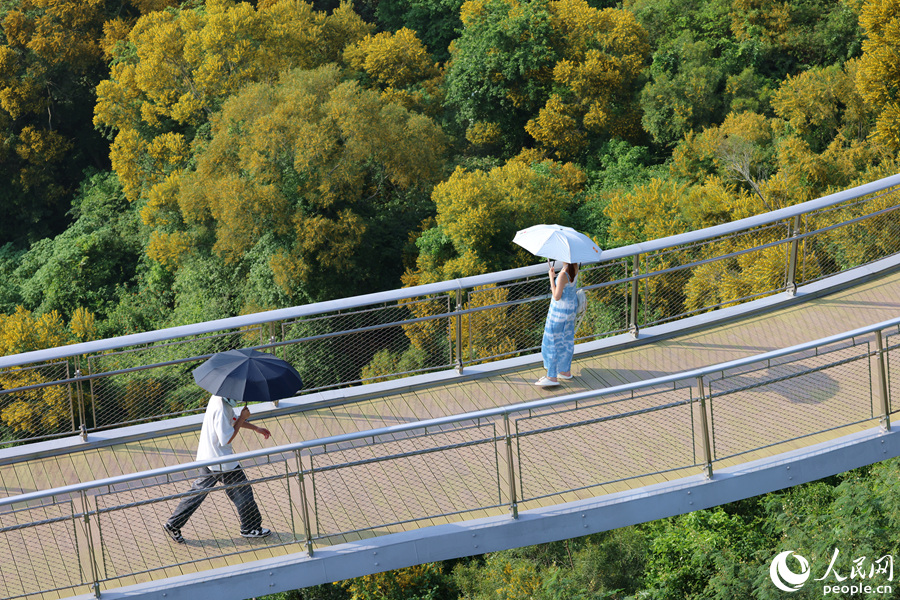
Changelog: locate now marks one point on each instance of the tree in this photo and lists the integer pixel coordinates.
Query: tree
(41, 410)
(602, 54)
(52, 55)
(878, 78)
(89, 264)
(399, 65)
(436, 22)
(420, 582)
(823, 102)
(500, 70)
(177, 67)
(479, 212)
(326, 168)
(49, 60)
(687, 91)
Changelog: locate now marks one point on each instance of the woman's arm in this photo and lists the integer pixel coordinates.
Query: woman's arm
(557, 286)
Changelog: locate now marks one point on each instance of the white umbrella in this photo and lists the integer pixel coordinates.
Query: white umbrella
(558, 243)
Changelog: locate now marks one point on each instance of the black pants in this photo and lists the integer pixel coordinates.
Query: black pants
(241, 495)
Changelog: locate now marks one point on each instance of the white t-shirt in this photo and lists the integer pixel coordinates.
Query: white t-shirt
(218, 427)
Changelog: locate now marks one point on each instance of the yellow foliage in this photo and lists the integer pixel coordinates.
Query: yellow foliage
(878, 77)
(294, 159)
(824, 101)
(557, 127)
(58, 31)
(23, 332)
(168, 249)
(83, 325)
(472, 10)
(649, 211)
(22, 99)
(41, 146)
(395, 584)
(393, 60)
(840, 163)
(114, 31)
(604, 52)
(481, 133)
(40, 410)
(180, 65)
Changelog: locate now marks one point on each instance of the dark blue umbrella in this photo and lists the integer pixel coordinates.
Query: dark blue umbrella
(248, 375)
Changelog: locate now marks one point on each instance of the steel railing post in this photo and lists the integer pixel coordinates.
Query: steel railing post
(705, 439)
(511, 471)
(635, 299)
(272, 328)
(75, 400)
(881, 375)
(79, 388)
(790, 283)
(459, 348)
(304, 506)
(92, 553)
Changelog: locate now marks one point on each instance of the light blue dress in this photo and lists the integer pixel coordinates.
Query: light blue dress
(558, 344)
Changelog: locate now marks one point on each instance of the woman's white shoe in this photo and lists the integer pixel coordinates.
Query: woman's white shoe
(545, 382)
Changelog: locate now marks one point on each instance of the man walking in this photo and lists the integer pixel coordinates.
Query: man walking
(220, 427)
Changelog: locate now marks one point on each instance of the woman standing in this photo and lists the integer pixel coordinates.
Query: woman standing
(558, 344)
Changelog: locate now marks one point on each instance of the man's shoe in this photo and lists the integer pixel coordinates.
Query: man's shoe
(174, 533)
(259, 532)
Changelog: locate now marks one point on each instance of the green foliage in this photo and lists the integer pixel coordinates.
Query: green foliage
(436, 22)
(687, 91)
(500, 68)
(88, 264)
(727, 56)
(419, 582)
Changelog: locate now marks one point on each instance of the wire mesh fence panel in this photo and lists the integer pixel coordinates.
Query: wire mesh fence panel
(30, 409)
(383, 485)
(568, 450)
(850, 234)
(608, 301)
(368, 345)
(39, 550)
(130, 521)
(515, 325)
(156, 381)
(704, 276)
(798, 398)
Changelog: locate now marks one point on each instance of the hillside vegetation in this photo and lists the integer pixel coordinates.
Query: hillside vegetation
(168, 162)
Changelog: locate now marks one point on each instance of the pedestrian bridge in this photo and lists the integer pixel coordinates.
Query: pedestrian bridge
(712, 366)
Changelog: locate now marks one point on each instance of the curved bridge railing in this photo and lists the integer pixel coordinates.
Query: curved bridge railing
(453, 324)
(108, 533)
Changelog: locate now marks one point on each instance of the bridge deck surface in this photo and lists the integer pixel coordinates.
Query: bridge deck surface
(568, 456)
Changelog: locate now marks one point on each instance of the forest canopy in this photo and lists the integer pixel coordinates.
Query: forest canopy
(261, 147)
